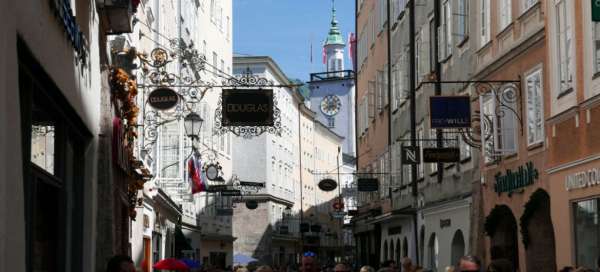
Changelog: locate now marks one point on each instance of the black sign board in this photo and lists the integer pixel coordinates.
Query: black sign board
(410, 155)
(395, 230)
(252, 184)
(445, 223)
(231, 193)
(163, 98)
(368, 184)
(247, 107)
(445, 154)
(327, 185)
(251, 204)
(352, 212)
(315, 228)
(304, 227)
(216, 188)
(450, 111)
(224, 212)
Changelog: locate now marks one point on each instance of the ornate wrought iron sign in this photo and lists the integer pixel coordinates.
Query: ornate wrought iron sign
(163, 98)
(450, 111)
(327, 185)
(231, 119)
(247, 107)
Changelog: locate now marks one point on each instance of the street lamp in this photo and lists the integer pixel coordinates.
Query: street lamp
(193, 123)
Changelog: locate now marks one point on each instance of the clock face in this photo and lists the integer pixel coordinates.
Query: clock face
(330, 105)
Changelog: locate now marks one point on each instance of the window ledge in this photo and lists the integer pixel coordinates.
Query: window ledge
(535, 146)
(505, 30)
(463, 42)
(564, 93)
(510, 156)
(529, 10)
(484, 47)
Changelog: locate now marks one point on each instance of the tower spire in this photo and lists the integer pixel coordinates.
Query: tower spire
(335, 36)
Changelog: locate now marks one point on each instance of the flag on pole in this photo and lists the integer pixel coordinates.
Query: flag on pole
(324, 54)
(195, 174)
(352, 49)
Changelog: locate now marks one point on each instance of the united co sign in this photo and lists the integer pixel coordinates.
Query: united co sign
(247, 107)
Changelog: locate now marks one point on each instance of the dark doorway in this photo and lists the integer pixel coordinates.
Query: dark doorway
(501, 226)
(458, 247)
(539, 244)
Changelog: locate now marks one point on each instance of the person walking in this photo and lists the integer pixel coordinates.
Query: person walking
(469, 263)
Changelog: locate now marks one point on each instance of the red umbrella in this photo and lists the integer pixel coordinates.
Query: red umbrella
(171, 264)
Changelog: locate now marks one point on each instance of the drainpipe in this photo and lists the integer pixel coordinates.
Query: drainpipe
(413, 121)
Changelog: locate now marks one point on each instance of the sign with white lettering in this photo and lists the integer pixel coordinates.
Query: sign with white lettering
(583, 179)
(247, 107)
(410, 155)
(368, 185)
(163, 98)
(450, 112)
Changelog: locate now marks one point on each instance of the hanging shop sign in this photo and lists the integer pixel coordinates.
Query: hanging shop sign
(251, 204)
(212, 171)
(444, 223)
(395, 230)
(583, 179)
(231, 193)
(327, 185)
(338, 214)
(450, 112)
(444, 154)
(368, 185)
(352, 212)
(511, 181)
(410, 155)
(216, 188)
(224, 212)
(252, 184)
(247, 107)
(163, 98)
(304, 227)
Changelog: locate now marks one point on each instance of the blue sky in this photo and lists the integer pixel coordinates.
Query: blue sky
(282, 29)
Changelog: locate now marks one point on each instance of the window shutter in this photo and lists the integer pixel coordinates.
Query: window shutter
(441, 43)
(425, 49)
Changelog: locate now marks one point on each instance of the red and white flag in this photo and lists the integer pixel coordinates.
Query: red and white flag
(195, 175)
(324, 54)
(352, 49)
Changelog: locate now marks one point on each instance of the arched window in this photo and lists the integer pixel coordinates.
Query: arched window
(458, 246)
(405, 248)
(433, 252)
(398, 251)
(385, 250)
(422, 243)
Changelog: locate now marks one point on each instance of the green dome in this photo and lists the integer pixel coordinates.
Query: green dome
(335, 36)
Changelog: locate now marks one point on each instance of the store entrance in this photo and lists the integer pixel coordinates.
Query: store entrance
(501, 225)
(540, 250)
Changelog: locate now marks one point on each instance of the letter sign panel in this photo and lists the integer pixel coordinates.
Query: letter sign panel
(163, 98)
(410, 155)
(450, 112)
(247, 107)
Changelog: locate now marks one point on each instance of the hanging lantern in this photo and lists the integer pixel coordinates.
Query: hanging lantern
(193, 124)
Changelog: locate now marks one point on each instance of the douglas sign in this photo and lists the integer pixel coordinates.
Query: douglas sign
(163, 99)
(247, 107)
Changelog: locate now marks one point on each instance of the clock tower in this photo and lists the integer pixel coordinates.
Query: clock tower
(332, 91)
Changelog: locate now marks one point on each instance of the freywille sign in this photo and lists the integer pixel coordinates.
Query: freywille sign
(163, 98)
(524, 176)
(450, 111)
(583, 179)
(247, 107)
(445, 154)
(367, 185)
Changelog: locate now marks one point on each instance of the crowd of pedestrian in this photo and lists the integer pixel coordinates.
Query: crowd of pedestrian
(309, 263)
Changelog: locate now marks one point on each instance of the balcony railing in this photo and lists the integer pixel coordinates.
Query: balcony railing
(337, 75)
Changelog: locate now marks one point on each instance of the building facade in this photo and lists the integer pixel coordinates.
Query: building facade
(572, 131)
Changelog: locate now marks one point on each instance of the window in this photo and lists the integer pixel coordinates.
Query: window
(169, 150)
(372, 99)
(586, 231)
(214, 62)
(596, 46)
(330, 122)
(382, 14)
(223, 66)
(505, 124)
(227, 26)
(484, 21)
(447, 26)
(433, 167)
(487, 111)
(418, 47)
(420, 136)
(53, 145)
(535, 111)
(462, 21)
(505, 13)
(564, 40)
(212, 11)
(527, 4)
(465, 149)
(432, 32)
(204, 48)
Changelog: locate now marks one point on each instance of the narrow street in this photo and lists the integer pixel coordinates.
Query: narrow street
(300, 136)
